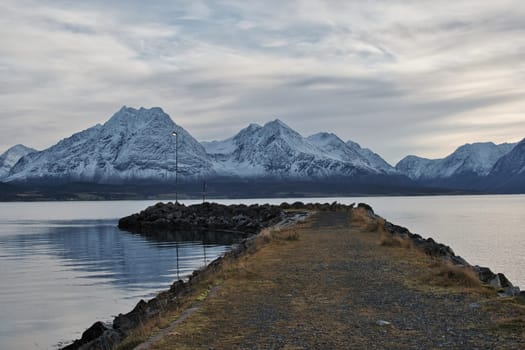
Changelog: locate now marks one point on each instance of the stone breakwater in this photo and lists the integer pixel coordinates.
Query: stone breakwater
(244, 222)
(239, 223)
(241, 219)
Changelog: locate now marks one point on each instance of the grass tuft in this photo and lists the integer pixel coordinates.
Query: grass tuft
(389, 240)
(202, 296)
(446, 274)
(362, 219)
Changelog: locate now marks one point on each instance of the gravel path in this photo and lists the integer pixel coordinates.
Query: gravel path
(336, 288)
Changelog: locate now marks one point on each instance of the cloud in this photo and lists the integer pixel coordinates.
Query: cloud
(398, 77)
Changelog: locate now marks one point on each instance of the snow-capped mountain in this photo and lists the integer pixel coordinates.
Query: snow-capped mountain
(9, 158)
(135, 144)
(350, 152)
(508, 174)
(373, 158)
(475, 159)
(415, 167)
(276, 150)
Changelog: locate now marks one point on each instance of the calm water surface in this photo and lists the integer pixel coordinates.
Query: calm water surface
(64, 265)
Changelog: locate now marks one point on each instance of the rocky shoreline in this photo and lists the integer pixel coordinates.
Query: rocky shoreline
(432, 248)
(240, 219)
(167, 221)
(242, 223)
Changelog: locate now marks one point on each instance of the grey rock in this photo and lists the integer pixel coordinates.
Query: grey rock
(500, 281)
(512, 291)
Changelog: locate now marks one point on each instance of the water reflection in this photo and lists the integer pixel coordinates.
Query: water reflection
(60, 276)
(104, 252)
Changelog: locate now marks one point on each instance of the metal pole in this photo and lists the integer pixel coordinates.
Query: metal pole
(176, 168)
(174, 133)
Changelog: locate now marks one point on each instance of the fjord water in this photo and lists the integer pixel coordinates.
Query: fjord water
(64, 265)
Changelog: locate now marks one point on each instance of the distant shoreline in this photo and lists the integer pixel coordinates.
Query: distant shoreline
(87, 192)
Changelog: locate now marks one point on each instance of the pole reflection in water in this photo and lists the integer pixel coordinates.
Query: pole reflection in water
(59, 277)
(177, 252)
(204, 248)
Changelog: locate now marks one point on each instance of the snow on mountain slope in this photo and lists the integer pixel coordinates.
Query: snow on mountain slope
(277, 150)
(219, 147)
(508, 174)
(10, 157)
(135, 144)
(229, 145)
(373, 159)
(335, 147)
(512, 163)
(415, 167)
(270, 150)
(476, 158)
(350, 152)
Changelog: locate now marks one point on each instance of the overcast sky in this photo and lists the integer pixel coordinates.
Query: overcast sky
(399, 77)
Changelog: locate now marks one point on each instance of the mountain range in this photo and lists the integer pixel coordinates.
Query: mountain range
(137, 146)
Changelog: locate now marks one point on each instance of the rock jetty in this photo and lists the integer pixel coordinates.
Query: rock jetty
(243, 222)
(242, 219)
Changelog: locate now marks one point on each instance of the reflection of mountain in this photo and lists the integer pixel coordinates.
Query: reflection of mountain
(103, 252)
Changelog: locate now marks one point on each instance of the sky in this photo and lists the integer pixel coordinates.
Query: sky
(399, 77)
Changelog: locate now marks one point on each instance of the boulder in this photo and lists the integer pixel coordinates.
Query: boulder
(89, 335)
(484, 273)
(499, 281)
(366, 207)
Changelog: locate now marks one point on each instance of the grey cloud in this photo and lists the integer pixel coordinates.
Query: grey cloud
(390, 75)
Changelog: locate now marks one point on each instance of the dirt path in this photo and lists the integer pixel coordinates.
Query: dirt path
(330, 287)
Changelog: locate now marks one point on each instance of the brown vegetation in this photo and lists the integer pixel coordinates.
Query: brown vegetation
(446, 274)
(389, 240)
(323, 284)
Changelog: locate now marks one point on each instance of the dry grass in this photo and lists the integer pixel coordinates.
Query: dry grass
(131, 342)
(275, 234)
(142, 333)
(446, 274)
(361, 219)
(274, 269)
(387, 239)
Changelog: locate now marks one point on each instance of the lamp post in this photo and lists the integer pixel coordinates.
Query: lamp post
(174, 133)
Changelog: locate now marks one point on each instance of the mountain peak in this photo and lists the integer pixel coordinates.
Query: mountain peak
(142, 111)
(10, 157)
(20, 147)
(129, 118)
(471, 159)
(133, 145)
(277, 123)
